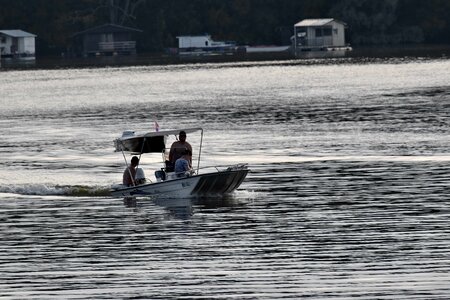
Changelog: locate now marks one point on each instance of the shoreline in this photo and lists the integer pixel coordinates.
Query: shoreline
(357, 55)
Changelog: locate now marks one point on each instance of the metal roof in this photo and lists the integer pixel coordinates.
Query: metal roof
(316, 22)
(107, 28)
(17, 33)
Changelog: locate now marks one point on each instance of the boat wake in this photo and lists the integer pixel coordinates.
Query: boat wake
(81, 191)
(65, 190)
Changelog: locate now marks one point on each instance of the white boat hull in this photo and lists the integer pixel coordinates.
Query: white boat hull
(216, 183)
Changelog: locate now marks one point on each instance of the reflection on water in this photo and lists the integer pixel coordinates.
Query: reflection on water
(176, 208)
(130, 202)
(183, 209)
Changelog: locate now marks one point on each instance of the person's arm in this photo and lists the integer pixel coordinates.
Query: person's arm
(187, 166)
(126, 177)
(171, 152)
(189, 147)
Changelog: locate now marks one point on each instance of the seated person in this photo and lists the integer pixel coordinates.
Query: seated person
(182, 164)
(130, 172)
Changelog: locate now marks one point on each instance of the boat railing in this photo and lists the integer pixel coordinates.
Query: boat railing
(117, 46)
(206, 169)
(220, 168)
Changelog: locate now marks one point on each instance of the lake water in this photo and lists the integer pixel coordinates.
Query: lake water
(348, 194)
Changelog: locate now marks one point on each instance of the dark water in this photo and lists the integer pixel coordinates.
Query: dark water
(348, 196)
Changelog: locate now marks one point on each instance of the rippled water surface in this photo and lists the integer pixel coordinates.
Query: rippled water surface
(348, 194)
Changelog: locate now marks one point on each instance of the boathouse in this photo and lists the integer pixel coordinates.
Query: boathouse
(319, 35)
(108, 39)
(17, 43)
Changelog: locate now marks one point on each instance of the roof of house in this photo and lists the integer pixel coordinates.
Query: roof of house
(316, 22)
(17, 33)
(193, 36)
(107, 28)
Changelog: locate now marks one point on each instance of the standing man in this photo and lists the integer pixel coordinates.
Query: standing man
(179, 147)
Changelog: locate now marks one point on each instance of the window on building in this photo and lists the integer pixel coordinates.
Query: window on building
(318, 32)
(301, 33)
(3, 39)
(327, 31)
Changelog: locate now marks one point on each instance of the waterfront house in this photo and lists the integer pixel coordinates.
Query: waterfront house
(319, 35)
(17, 43)
(107, 39)
(203, 44)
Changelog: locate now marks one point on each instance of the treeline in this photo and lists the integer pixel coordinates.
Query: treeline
(248, 22)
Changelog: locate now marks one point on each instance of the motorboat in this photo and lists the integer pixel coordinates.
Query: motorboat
(197, 182)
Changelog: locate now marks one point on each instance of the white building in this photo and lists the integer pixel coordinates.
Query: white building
(203, 43)
(17, 43)
(319, 35)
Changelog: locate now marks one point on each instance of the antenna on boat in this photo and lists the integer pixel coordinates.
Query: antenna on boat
(200, 151)
(142, 150)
